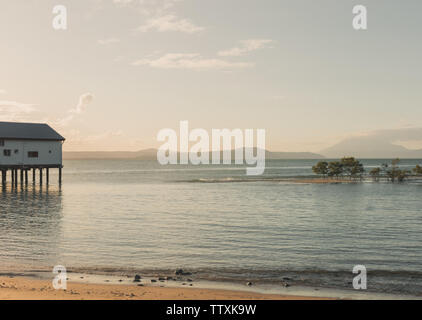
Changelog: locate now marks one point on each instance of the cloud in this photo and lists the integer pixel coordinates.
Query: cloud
(105, 135)
(84, 100)
(278, 97)
(14, 111)
(108, 41)
(193, 61)
(123, 2)
(109, 140)
(93, 138)
(159, 16)
(246, 46)
(398, 135)
(169, 22)
(162, 4)
(148, 7)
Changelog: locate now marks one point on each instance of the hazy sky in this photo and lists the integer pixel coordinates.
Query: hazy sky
(125, 69)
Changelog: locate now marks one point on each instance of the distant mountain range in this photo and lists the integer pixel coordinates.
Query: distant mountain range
(370, 147)
(359, 147)
(292, 155)
(151, 154)
(376, 144)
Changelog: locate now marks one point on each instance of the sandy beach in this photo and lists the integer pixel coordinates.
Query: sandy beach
(20, 288)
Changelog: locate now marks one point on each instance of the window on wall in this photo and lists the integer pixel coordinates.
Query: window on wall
(1, 143)
(7, 152)
(32, 154)
(16, 151)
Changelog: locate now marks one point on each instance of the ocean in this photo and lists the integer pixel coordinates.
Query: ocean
(131, 216)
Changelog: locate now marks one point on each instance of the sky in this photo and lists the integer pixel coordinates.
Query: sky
(125, 69)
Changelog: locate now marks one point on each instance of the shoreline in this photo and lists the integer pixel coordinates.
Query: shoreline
(24, 288)
(82, 286)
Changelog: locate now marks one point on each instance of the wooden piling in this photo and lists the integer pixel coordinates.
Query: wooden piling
(20, 174)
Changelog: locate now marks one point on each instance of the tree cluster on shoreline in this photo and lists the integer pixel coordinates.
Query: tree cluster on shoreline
(346, 167)
(392, 173)
(351, 168)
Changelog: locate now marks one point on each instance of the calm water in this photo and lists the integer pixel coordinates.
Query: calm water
(112, 216)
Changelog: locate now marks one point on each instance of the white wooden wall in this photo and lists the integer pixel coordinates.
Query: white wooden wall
(49, 152)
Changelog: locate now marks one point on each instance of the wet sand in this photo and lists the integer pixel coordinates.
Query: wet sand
(20, 288)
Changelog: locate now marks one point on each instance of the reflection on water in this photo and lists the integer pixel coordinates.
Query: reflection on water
(137, 215)
(30, 223)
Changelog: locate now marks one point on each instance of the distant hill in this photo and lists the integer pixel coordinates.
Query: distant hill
(147, 154)
(370, 147)
(151, 154)
(292, 155)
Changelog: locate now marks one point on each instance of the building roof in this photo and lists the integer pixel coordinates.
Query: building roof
(28, 131)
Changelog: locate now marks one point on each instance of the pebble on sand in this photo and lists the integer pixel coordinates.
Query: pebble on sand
(180, 272)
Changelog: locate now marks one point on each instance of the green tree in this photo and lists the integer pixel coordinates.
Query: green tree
(402, 175)
(394, 173)
(352, 167)
(335, 169)
(348, 163)
(417, 170)
(375, 173)
(321, 168)
(357, 170)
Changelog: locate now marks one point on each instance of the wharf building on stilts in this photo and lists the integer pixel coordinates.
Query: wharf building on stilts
(33, 148)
